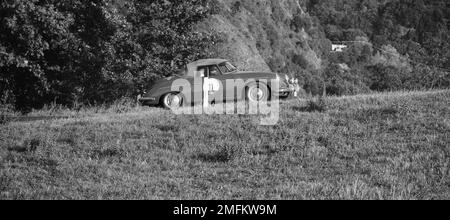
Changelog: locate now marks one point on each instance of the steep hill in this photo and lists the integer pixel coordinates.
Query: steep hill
(392, 44)
(106, 50)
(263, 35)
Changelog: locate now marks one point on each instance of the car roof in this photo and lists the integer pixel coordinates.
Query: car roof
(207, 62)
(192, 67)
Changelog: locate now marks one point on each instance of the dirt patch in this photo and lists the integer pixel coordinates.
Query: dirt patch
(28, 146)
(223, 154)
(33, 161)
(109, 153)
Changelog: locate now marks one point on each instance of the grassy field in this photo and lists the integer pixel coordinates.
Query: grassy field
(381, 146)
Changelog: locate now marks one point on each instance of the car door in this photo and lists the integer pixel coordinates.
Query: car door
(216, 80)
(198, 84)
(227, 76)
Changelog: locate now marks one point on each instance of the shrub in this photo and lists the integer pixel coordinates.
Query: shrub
(236, 7)
(27, 146)
(313, 82)
(227, 153)
(317, 105)
(301, 22)
(3, 119)
(341, 80)
(123, 105)
(5, 111)
(96, 52)
(301, 61)
(385, 78)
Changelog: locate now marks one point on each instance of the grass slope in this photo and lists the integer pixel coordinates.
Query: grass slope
(383, 146)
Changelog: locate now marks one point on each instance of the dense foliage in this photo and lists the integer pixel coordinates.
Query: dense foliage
(398, 44)
(88, 52)
(77, 51)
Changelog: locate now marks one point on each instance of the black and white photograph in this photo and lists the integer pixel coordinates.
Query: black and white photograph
(261, 101)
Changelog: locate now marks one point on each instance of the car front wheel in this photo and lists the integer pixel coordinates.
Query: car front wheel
(172, 101)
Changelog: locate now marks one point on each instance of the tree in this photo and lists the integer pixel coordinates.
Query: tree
(50, 50)
(341, 80)
(155, 40)
(68, 51)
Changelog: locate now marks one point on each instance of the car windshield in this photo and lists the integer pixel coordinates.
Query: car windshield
(227, 68)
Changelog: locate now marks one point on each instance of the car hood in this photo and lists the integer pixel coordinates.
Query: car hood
(166, 79)
(255, 73)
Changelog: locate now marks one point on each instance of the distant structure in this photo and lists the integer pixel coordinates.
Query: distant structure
(338, 48)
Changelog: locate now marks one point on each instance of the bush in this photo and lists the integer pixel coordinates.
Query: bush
(6, 111)
(228, 153)
(123, 105)
(385, 78)
(95, 52)
(341, 80)
(301, 22)
(313, 83)
(317, 105)
(3, 119)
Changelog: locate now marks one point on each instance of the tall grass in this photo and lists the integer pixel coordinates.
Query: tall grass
(381, 146)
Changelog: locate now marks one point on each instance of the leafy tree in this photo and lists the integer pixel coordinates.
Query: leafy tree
(417, 30)
(50, 50)
(69, 51)
(155, 39)
(341, 80)
(385, 78)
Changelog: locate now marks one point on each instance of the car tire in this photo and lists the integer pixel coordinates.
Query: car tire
(172, 101)
(285, 96)
(257, 93)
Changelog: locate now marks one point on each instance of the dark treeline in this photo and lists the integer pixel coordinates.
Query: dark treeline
(97, 51)
(395, 44)
(92, 51)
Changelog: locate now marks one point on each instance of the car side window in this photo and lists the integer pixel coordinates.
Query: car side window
(202, 72)
(223, 68)
(214, 71)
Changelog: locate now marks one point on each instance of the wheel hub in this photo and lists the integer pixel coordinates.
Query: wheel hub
(257, 94)
(174, 101)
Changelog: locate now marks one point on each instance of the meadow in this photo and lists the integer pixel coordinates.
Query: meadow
(377, 146)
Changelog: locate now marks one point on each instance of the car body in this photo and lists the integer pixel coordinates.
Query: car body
(219, 70)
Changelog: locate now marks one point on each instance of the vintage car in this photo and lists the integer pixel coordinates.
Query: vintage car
(162, 94)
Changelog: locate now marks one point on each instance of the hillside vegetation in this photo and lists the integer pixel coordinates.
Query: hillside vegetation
(381, 146)
(263, 35)
(75, 53)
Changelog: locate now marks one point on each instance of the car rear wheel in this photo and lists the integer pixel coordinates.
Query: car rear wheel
(285, 96)
(258, 93)
(172, 101)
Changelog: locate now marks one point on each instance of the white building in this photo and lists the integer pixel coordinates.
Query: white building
(338, 47)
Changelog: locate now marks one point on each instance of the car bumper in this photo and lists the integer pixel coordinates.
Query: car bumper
(147, 100)
(287, 91)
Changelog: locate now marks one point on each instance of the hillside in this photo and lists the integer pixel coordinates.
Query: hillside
(391, 44)
(75, 53)
(380, 146)
(260, 35)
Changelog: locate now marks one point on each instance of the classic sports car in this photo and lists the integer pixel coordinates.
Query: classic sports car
(161, 92)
